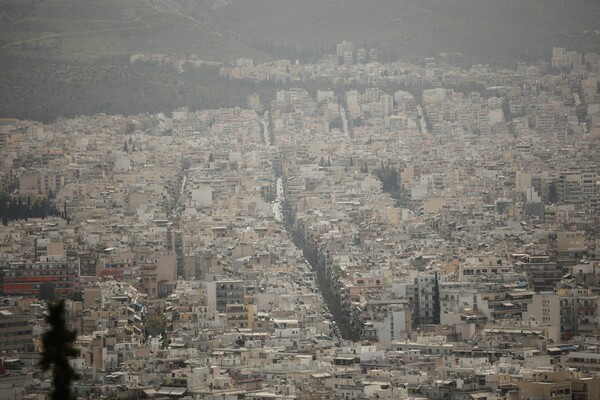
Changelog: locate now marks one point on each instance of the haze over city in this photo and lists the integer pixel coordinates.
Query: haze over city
(260, 199)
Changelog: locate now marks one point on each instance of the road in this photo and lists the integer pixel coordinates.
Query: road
(277, 204)
(345, 126)
(265, 125)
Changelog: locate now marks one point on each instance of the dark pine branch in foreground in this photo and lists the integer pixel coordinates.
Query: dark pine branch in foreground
(58, 346)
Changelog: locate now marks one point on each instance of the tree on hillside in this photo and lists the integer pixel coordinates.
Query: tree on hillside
(58, 347)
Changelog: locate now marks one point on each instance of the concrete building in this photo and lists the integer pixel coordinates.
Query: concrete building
(221, 293)
(25, 278)
(16, 334)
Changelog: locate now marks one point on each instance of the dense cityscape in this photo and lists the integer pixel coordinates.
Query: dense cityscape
(402, 231)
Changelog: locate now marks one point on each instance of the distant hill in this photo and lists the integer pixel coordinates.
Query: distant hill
(482, 29)
(83, 29)
(70, 57)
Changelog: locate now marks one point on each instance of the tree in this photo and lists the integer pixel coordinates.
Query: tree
(47, 292)
(57, 349)
(436, 300)
(388, 177)
(552, 192)
(239, 342)
(155, 326)
(75, 296)
(14, 208)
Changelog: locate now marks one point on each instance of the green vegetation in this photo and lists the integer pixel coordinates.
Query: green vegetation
(45, 90)
(469, 87)
(15, 207)
(389, 177)
(155, 326)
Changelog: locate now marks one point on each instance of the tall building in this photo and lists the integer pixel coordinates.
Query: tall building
(393, 323)
(554, 312)
(543, 274)
(426, 299)
(345, 53)
(558, 385)
(15, 332)
(222, 293)
(570, 188)
(24, 278)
